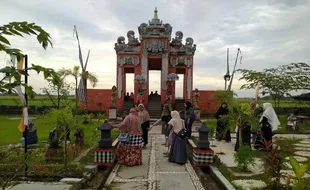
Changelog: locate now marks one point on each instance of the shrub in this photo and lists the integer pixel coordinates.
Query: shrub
(244, 158)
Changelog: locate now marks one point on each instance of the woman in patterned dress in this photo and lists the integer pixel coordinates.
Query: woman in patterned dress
(130, 153)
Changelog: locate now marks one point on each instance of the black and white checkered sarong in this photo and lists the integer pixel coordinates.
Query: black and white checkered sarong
(135, 140)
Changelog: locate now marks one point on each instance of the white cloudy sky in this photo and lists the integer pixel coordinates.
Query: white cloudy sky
(269, 33)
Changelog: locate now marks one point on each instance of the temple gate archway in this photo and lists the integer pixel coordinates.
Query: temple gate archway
(154, 50)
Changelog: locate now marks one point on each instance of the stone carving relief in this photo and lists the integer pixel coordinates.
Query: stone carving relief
(164, 71)
(119, 82)
(131, 38)
(189, 61)
(128, 60)
(181, 60)
(155, 46)
(189, 83)
(144, 68)
(173, 62)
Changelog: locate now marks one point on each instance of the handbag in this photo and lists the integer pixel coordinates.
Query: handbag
(182, 133)
(124, 137)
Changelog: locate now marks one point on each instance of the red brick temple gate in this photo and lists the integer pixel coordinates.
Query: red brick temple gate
(154, 50)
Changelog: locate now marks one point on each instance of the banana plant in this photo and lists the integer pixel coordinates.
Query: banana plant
(299, 171)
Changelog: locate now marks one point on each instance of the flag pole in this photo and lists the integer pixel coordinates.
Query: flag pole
(233, 73)
(26, 126)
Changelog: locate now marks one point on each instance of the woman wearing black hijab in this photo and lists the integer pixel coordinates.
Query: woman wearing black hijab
(189, 117)
(222, 128)
(165, 118)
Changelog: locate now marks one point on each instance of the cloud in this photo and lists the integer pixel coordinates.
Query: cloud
(269, 33)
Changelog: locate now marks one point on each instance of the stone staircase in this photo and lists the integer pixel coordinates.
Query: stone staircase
(127, 105)
(179, 104)
(154, 107)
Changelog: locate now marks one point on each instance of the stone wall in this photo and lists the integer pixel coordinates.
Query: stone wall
(207, 102)
(98, 100)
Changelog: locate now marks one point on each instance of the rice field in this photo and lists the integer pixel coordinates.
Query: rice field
(45, 101)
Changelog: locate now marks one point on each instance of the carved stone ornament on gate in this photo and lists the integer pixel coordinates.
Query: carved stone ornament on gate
(127, 60)
(190, 47)
(155, 47)
(178, 38)
(113, 96)
(196, 96)
(121, 46)
(173, 62)
(189, 61)
(132, 40)
(181, 60)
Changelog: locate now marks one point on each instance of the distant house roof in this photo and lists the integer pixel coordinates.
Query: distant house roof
(305, 96)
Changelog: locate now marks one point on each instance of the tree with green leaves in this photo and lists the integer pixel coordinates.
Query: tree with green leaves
(75, 72)
(13, 76)
(18, 29)
(278, 82)
(224, 96)
(59, 93)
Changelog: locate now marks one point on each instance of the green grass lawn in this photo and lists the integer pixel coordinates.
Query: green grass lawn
(10, 133)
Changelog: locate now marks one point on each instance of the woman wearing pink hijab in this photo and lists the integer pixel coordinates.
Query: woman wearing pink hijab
(130, 153)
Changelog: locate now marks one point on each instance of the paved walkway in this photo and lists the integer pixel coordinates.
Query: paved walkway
(156, 172)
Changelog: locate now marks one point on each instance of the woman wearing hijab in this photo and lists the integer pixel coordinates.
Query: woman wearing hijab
(145, 122)
(164, 120)
(222, 127)
(269, 122)
(130, 153)
(189, 117)
(178, 145)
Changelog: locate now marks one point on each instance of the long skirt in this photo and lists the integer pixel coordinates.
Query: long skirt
(245, 136)
(264, 135)
(178, 152)
(145, 129)
(130, 153)
(170, 138)
(223, 131)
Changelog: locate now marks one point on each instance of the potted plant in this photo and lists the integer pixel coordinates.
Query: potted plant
(54, 152)
(60, 120)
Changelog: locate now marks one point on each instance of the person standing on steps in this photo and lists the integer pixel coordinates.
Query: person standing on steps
(145, 122)
(222, 126)
(189, 117)
(130, 153)
(177, 151)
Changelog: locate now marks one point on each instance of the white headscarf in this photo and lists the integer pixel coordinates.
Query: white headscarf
(176, 122)
(271, 115)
